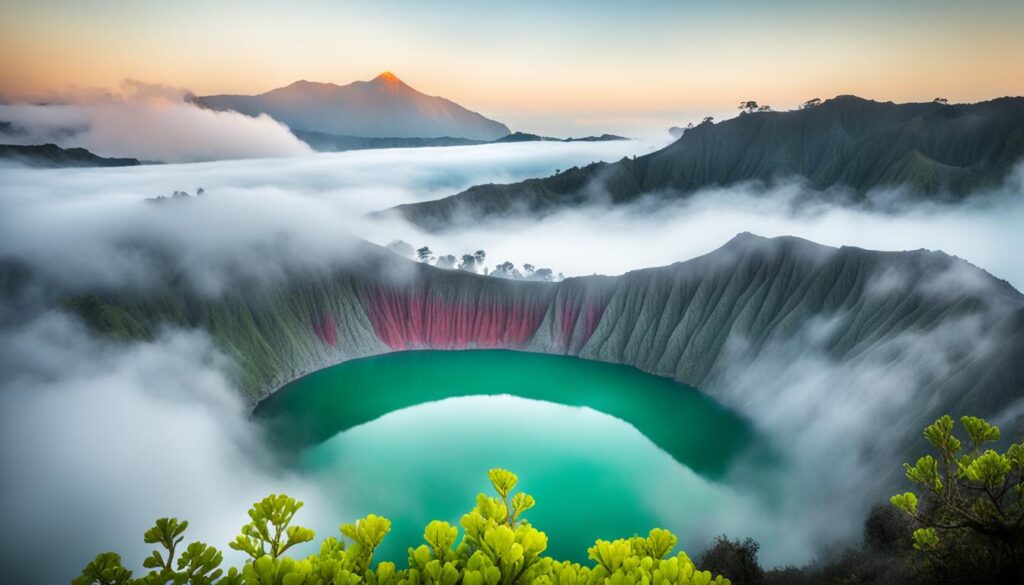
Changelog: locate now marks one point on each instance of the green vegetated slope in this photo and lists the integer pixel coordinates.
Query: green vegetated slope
(934, 150)
(706, 322)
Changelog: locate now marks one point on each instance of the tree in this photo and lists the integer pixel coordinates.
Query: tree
(707, 120)
(967, 493)
(447, 262)
(528, 270)
(748, 107)
(468, 263)
(941, 100)
(480, 256)
(544, 274)
(811, 103)
(506, 270)
(403, 249)
(424, 254)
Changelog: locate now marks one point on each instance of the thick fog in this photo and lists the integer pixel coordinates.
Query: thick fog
(88, 227)
(109, 434)
(98, 439)
(615, 239)
(147, 122)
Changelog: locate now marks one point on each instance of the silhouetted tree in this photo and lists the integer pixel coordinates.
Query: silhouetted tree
(506, 270)
(812, 103)
(707, 120)
(748, 107)
(424, 254)
(941, 100)
(468, 263)
(543, 274)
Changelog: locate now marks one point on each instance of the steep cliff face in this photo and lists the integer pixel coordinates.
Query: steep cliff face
(716, 322)
(932, 150)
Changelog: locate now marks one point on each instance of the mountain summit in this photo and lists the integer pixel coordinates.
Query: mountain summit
(389, 77)
(384, 107)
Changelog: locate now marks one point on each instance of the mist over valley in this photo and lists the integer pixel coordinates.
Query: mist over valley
(579, 321)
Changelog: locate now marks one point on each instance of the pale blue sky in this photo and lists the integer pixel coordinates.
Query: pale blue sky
(530, 60)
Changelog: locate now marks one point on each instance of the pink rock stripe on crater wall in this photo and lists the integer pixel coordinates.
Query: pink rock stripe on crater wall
(418, 319)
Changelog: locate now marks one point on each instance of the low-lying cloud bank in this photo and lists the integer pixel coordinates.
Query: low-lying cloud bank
(91, 227)
(98, 439)
(150, 123)
(606, 239)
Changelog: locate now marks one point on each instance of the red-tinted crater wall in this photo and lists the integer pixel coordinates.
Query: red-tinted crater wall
(323, 327)
(418, 319)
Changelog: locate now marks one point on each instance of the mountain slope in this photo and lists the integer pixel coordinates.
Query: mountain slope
(933, 150)
(53, 156)
(707, 322)
(384, 107)
(837, 352)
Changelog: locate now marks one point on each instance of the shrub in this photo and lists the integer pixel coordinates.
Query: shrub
(498, 547)
(971, 499)
(734, 559)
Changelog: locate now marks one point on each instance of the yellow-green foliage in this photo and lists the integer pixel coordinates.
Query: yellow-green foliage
(967, 489)
(498, 547)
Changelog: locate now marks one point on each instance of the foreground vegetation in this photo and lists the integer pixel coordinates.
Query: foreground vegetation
(498, 547)
(965, 526)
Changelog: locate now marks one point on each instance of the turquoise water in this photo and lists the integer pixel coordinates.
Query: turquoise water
(606, 450)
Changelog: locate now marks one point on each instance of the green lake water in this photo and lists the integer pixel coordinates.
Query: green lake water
(607, 450)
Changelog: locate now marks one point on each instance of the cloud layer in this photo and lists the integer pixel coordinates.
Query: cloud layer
(615, 239)
(150, 123)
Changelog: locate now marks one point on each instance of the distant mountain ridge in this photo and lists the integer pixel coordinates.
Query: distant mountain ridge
(384, 107)
(325, 142)
(930, 148)
(53, 156)
(527, 137)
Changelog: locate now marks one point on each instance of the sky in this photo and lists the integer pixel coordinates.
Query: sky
(533, 64)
